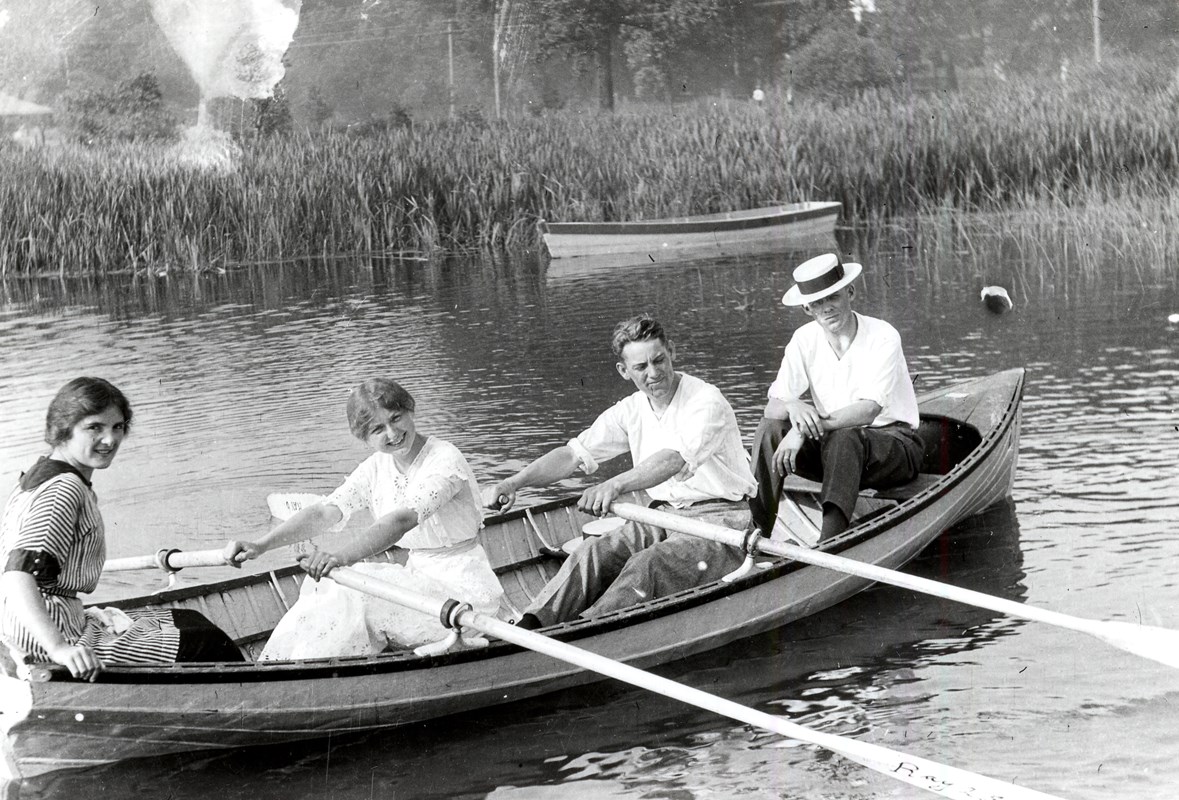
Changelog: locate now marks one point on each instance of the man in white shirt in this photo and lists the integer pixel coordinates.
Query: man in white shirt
(686, 453)
(859, 427)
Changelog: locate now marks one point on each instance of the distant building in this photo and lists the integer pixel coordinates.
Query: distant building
(23, 120)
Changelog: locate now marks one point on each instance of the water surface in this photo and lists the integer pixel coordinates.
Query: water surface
(239, 382)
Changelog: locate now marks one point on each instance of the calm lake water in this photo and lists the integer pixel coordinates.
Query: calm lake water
(238, 383)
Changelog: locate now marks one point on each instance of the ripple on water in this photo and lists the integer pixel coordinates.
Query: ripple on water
(239, 390)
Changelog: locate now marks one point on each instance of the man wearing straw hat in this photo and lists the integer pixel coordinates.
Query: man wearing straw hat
(858, 428)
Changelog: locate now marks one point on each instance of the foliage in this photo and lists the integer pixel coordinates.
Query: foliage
(1019, 144)
(134, 111)
(319, 111)
(840, 63)
(376, 56)
(398, 118)
(272, 115)
(804, 19)
(649, 30)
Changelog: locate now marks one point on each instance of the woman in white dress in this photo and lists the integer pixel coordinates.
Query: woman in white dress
(423, 497)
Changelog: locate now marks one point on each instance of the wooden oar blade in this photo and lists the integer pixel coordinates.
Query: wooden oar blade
(285, 505)
(1148, 641)
(941, 779)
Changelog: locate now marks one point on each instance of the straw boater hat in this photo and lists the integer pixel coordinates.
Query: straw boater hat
(819, 277)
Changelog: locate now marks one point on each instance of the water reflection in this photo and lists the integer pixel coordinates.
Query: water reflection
(239, 381)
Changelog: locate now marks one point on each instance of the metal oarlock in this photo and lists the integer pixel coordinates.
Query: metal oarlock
(752, 537)
(449, 619)
(162, 556)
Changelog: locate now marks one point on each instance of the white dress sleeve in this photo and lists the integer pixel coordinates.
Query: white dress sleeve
(355, 493)
(443, 492)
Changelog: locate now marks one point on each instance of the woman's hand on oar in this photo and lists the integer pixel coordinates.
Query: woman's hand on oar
(938, 778)
(236, 553)
(1157, 644)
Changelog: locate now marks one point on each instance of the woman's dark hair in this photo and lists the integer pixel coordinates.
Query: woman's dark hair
(636, 329)
(371, 396)
(80, 398)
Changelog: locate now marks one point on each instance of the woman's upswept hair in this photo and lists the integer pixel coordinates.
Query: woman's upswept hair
(78, 399)
(636, 329)
(373, 395)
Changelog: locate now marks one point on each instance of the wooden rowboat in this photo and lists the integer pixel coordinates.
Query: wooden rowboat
(50, 722)
(707, 235)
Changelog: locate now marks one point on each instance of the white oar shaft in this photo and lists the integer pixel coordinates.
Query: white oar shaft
(850, 566)
(1157, 644)
(938, 778)
(168, 560)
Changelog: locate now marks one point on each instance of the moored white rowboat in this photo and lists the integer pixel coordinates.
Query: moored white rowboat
(792, 225)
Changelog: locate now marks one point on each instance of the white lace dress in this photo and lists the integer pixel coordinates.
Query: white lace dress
(445, 560)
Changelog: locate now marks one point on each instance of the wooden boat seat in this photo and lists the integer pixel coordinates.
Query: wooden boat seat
(794, 483)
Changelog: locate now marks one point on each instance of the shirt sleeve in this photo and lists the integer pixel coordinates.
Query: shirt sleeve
(354, 494)
(792, 381)
(602, 441)
(435, 485)
(878, 378)
(51, 521)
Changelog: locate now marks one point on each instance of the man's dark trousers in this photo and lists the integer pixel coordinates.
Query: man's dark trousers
(845, 461)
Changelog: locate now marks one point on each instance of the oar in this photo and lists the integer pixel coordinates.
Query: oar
(934, 777)
(169, 560)
(1157, 644)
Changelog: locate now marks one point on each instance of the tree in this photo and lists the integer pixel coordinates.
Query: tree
(805, 19)
(841, 62)
(272, 115)
(654, 27)
(134, 111)
(1017, 36)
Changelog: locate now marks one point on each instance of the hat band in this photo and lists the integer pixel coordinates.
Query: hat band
(824, 281)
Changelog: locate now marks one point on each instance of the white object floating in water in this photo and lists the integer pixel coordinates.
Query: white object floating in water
(1173, 319)
(996, 299)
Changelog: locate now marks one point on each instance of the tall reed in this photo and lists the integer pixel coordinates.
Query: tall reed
(464, 185)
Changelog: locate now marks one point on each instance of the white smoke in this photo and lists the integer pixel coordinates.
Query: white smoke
(233, 48)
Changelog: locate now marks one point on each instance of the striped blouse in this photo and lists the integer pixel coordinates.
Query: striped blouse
(60, 517)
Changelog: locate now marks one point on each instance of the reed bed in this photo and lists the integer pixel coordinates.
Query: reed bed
(1098, 156)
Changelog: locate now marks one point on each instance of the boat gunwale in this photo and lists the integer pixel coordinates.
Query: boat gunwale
(571, 631)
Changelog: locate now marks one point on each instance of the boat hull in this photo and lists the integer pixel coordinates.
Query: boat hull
(714, 235)
(137, 711)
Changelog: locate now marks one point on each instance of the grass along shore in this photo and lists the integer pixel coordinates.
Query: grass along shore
(1097, 158)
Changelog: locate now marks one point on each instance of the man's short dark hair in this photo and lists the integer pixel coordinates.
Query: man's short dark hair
(636, 329)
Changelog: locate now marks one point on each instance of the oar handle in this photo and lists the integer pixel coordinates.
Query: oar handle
(169, 560)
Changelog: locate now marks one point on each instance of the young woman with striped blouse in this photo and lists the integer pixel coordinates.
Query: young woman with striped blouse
(53, 547)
